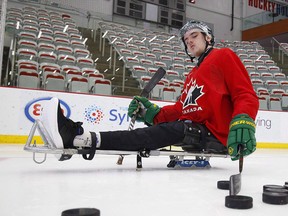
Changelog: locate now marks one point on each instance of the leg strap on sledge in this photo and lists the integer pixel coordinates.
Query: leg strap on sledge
(92, 150)
(87, 153)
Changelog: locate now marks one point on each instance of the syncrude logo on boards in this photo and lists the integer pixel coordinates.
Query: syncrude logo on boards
(93, 114)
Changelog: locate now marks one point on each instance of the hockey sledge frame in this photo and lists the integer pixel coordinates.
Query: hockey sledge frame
(49, 147)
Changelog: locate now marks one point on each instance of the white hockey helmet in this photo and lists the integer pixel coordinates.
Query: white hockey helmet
(193, 24)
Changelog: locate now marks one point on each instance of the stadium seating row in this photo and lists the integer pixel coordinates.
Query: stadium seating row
(51, 53)
(56, 38)
(94, 83)
(274, 103)
(51, 76)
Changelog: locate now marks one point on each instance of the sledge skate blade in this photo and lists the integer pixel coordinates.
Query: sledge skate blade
(190, 164)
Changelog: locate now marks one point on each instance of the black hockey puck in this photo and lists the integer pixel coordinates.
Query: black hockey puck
(223, 185)
(238, 202)
(271, 186)
(276, 190)
(81, 212)
(275, 198)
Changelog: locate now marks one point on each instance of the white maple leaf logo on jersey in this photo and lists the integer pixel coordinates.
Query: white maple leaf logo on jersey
(194, 92)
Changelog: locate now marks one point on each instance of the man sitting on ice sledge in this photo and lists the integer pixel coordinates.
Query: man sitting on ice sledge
(215, 111)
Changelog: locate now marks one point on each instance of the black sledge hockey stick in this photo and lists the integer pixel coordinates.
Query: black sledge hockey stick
(144, 93)
(235, 180)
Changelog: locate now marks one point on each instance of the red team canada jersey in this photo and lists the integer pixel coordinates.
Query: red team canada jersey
(213, 94)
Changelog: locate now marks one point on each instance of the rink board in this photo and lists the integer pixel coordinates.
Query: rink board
(20, 108)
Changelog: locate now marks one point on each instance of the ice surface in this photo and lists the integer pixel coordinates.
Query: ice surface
(30, 189)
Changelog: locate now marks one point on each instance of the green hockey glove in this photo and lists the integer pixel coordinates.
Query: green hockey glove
(242, 132)
(144, 110)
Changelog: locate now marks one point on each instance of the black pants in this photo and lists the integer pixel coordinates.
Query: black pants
(161, 135)
(153, 137)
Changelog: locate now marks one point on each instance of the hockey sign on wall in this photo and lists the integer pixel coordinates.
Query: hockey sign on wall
(270, 6)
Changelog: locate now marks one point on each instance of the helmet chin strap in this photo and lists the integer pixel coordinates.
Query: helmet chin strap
(202, 56)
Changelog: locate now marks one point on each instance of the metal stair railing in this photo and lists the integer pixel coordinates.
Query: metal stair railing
(281, 49)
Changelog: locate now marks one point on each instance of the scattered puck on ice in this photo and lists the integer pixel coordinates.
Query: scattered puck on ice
(275, 198)
(81, 212)
(276, 190)
(238, 202)
(270, 186)
(223, 185)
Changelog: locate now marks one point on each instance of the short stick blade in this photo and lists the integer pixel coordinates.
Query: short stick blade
(235, 184)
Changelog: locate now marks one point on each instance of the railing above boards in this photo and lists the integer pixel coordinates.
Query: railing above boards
(282, 49)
